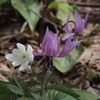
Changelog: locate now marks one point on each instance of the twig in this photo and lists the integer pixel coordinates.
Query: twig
(14, 35)
(41, 60)
(61, 29)
(23, 27)
(95, 5)
(95, 13)
(45, 6)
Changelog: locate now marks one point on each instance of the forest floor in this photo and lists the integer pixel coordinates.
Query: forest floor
(88, 63)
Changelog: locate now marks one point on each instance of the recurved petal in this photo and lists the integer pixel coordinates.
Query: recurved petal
(67, 27)
(45, 39)
(52, 46)
(63, 23)
(68, 18)
(67, 36)
(78, 22)
(69, 46)
(11, 57)
(24, 65)
(38, 54)
(57, 46)
(21, 47)
(86, 18)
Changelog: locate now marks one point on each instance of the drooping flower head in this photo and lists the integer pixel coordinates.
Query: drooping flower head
(21, 56)
(79, 24)
(51, 45)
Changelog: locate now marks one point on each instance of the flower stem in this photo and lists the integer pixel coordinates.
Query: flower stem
(32, 75)
(49, 64)
(61, 29)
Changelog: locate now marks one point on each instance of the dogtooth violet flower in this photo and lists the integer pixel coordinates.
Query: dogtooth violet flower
(79, 25)
(51, 45)
(21, 56)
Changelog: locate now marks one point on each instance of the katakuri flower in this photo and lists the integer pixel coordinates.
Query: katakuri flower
(51, 45)
(79, 25)
(21, 56)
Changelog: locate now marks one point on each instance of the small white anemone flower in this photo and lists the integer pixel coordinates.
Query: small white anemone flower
(21, 56)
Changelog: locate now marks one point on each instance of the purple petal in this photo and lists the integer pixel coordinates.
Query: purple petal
(78, 23)
(63, 23)
(38, 54)
(56, 46)
(45, 39)
(67, 27)
(69, 46)
(86, 18)
(67, 36)
(52, 46)
(48, 35)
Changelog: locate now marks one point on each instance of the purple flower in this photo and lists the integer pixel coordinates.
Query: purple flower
(79, 25)
(51, 45)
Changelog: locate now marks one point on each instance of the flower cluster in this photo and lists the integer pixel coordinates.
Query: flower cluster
(50, 44)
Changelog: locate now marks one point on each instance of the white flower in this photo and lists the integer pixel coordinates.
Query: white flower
(21, 56)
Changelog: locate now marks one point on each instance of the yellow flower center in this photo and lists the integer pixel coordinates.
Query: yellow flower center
(23, 57)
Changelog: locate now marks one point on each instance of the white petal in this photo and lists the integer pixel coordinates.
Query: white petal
(16, 52)
(31, 57)
(21, 47)
(24, 65)
(16, 63)
(11, 57)
(29, 50)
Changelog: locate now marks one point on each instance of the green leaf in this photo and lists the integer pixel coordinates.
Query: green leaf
(5, 3)
(36, 96)
(4, 96)
(63, 9)
(5, 93)
(39, 78)
(56, 95)
(3, 87)
(2, 2)
(33, 96)
(48, 77)
(25, 7)
(17, 82)
(65, 89)
(34, 89)
(85, 95)
(31, 83)
(44, 79)
(20, 98)
(15, 89)
(66, 63)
